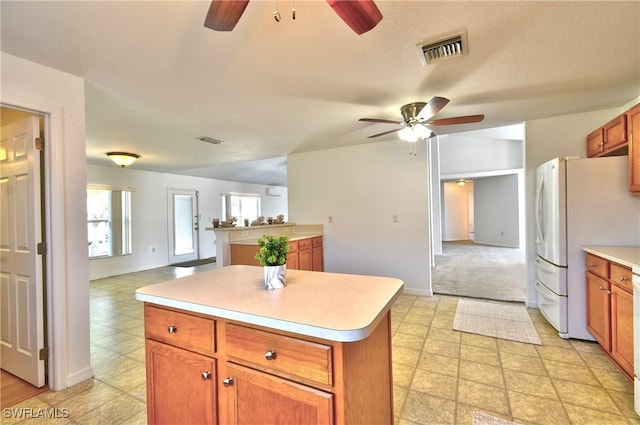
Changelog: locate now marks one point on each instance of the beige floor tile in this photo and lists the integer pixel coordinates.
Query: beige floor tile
(613, 380)
(413, 329)
(415, 342)
(574, 373)
(582, 415)
(483, 396)
(481, 341)
(402, 374)
(527, 383)
(405, 356)
(399, 397)
(129, 379)
(119, 410)
(435, 384)
(480, 355)
(585, 346)
(442, 322)
(585, 396)
(425, 409)
(481, 373)
(528, 408)
(598, 361)
(425, 311)
(625, 403)
(515, 347)
(448, 334)
(559, 354)
(92, 398)
(517, 362)
(441, 347)
(417, 319)
(437, 363)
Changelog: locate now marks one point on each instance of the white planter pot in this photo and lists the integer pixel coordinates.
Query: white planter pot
(274, 277)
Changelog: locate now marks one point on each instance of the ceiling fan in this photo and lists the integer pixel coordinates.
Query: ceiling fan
(360, 15)
(417, 120)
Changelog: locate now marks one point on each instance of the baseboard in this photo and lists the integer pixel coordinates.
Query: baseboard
(79, 376)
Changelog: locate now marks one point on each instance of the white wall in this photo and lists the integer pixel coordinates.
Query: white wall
(361, 188)
(32, 86)
(461, 154)
(456, 211)
(497, 211)
(150, 213)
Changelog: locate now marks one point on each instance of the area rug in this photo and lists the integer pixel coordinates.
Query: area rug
(497, 319)
(481, 418)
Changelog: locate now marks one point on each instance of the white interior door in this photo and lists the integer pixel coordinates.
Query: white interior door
(183, 219)
(21, 279)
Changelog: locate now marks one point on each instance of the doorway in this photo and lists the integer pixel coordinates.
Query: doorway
(184, 224)
(22, 282)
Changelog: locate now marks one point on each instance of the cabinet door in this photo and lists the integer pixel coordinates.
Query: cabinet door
(305, 259)
(615, 132)
(633, 123)
(318, 260)
(622, 328)
(598, 310)
(595, 142)
(260, 398)
(181, 386)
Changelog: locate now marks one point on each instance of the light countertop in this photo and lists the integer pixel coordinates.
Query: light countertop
(626, 255)
(332, 306)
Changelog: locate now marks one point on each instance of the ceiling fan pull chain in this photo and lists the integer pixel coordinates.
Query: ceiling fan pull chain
(293, 10)
(276, 14)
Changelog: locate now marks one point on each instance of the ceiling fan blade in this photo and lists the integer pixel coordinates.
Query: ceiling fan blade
(385, 132)
(223, 15)
(467, 119)
(379, 120)
(432, 107)
(360, 15)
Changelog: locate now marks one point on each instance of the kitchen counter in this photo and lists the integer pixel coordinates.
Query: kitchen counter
(625, 255)
(295, 236)
(337, 307)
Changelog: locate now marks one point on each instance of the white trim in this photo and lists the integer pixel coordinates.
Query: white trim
(55, 236)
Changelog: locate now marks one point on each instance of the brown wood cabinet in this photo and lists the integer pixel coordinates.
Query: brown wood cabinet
(633, 129)
(617, 137)
(262, 376)
(304, 254)
(610, 309)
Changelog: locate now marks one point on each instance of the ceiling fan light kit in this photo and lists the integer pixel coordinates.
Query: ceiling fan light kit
(123, 159)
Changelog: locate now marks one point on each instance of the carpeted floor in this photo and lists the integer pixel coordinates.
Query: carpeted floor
(480, 271)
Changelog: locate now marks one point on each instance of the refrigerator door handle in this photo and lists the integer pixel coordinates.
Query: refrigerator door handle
(538, 214)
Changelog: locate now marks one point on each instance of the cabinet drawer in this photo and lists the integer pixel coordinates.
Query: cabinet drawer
(282, 355)
(621, 276)
(597, 266)
(182, 330)
(317, 241)
(304, 244)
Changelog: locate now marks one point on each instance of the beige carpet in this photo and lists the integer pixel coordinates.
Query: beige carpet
(497, 319)
(481, 418)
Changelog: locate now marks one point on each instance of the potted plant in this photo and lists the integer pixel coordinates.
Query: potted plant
(272, 254)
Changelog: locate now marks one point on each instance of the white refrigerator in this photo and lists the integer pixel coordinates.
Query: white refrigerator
(578, 202)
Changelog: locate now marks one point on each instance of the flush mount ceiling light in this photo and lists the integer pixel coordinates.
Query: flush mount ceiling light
(460, 182)
(211, 140)
(123, 159)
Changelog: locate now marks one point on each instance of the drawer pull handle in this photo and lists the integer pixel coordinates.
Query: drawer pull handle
(601, 288)
(622, 278)
(172, 329)
(206, 375)
(592, 265)
(227, 381)
(270, 355)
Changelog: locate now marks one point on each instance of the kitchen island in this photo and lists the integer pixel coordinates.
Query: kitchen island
(222, 349)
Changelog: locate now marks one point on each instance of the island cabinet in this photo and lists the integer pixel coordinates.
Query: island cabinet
(610, 309)
(220, 349)
(304, 254)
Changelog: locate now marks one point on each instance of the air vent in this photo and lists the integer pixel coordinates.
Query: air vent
(211, 140)
(448, 47)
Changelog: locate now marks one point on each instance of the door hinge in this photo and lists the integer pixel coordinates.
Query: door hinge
(41, 248)
(40, 143)
(43, 354)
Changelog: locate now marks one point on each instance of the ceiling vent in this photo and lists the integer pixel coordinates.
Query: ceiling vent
(448, 47)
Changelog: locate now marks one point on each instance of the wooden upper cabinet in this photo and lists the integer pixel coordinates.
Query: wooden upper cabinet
(615, 133)
(595, 142)
(633, 131)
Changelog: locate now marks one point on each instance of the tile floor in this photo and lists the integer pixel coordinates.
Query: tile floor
(441, 376)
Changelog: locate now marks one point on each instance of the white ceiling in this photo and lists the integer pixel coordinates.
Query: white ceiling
(156, 78)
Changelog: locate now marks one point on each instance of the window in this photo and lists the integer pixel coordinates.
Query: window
(108, 222)
(241, 206)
